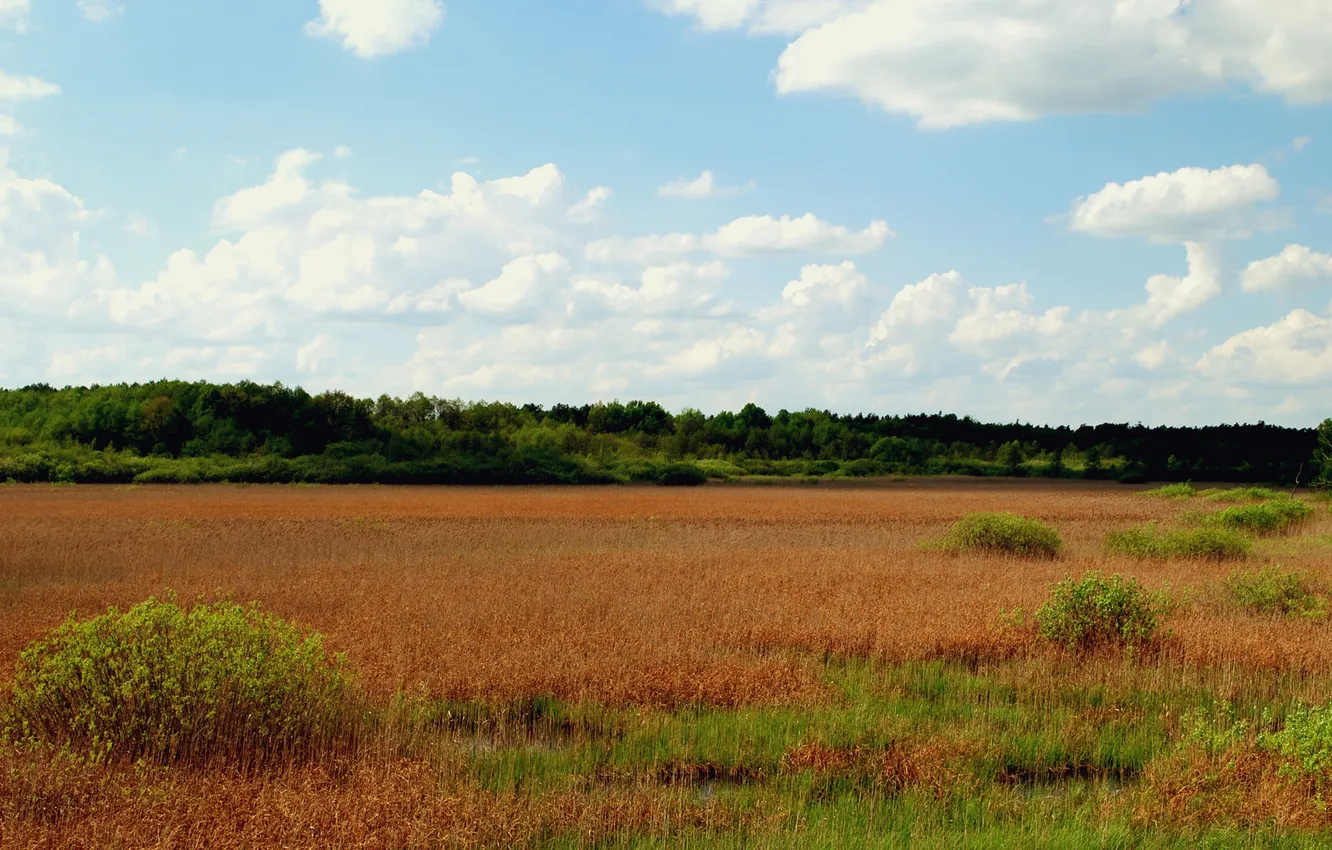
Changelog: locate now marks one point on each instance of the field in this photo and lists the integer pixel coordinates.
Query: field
(781, 666)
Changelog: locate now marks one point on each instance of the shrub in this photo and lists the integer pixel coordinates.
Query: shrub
(682, 475)
(1096, 611)
(1004, 533)
(1216, 544)
(1305, 741)
(1173, 491)
(1273, 590)
(168, 685)
(1263, 518)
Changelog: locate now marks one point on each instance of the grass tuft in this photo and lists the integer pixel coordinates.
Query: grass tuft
(1272, 590)
(1211, 543)
(1003, 533)
(1243, 494)
(1173, 491)
(1273, 517)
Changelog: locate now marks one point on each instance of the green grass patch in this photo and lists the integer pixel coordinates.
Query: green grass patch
(1173, 491)
(1274, 517)
(1275, 591)
(1095, 611)
(1003, 533)
(1150, 542)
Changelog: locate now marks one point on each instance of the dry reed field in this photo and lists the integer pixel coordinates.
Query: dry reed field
(723, 666)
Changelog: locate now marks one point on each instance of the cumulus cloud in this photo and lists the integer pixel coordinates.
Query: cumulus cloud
(1169, 297)
(1191, 204)
(1295, 350)
(1296, 267)
(99, 11)
(703, 187)
(315, 353)
(971, 61)
(748, 236)
(25, 88)
(374, 28)
(587, 210)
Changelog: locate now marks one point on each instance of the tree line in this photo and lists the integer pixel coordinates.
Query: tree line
(177, 431)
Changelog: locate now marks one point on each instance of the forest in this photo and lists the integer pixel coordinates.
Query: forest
(194, 432)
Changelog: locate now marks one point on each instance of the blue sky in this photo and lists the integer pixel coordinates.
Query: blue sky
(1049, 211)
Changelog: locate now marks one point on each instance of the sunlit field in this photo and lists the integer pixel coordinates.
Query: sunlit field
(773, 666)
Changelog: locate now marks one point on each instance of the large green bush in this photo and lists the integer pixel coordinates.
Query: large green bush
(1096, 611)
(165, 684)
(1148, 541)
(1272, 517)
(1004, 533)
(682, 475)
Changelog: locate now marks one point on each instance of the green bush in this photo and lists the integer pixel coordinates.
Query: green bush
(1273, 590)
(682, 475)
(1173, 491)
(168, 685)
(1271, 517)
(1216, 544)
(1004, 533)
(1305, 741)
(1096, 611)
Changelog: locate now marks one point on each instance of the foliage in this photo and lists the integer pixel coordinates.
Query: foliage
(1323, 456)
(682, 475)
(164, 684)
(1148, 541)
(175, 431)
(1272, 590)
(1174, 491)
(1271, 517)
(1096, 611)
(1004, 533)
(1305, 741)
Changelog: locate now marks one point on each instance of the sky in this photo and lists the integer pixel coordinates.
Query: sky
(1051, 211)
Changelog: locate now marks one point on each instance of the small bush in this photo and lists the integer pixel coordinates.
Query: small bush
(1096, 611)
(1305, 741)
(1214, 544)
(1273, 590)
(1004, 533)
(1173, 491)
(1272, 517)
(682, 475)
(168, 685)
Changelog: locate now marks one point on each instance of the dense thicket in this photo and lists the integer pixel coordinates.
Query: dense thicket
(180, 431)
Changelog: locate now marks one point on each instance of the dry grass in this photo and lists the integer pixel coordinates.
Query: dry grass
(724, 596)
(619, 595)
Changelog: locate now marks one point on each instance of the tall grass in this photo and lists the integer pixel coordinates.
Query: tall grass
(1005, 534)
(1151, 542)
(1274, 517)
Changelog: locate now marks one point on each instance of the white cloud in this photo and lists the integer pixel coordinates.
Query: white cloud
(1192, 204)
(587, 210)
(98, 11)
(1300, 143)
(1154, 355)
(342, 152)
(373, 28)
(841, 284)
(1295, 350)
(703, 187)
(1294, 268)
(8, 126)
(14, 14)
(1169, 297)
(25, 88)
(969, 61)
(676, 289)
(518, 285)
(140, 225)
(748, 236)
(318, 351)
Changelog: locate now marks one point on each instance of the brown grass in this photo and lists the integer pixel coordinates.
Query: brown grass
(618, 595)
